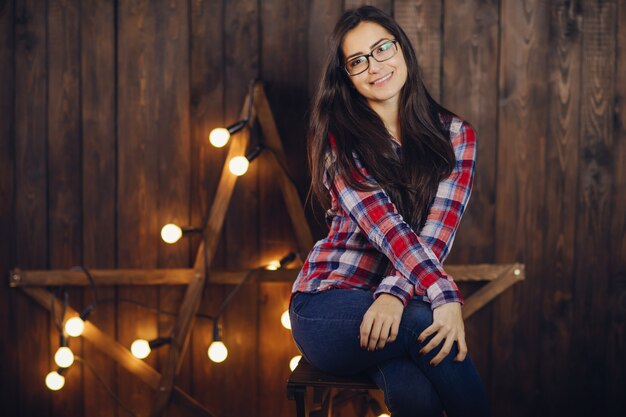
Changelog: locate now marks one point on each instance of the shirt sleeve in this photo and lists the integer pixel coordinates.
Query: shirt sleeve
(416, 258)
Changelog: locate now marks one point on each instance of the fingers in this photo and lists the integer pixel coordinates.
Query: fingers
(428, 331)
(445, 350)
(366, 328)
(460, 357)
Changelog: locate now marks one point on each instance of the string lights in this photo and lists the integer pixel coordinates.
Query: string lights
(142, 348)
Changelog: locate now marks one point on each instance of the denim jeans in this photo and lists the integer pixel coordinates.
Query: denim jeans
(325, 326)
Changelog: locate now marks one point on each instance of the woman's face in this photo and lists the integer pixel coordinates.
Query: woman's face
(382, 82)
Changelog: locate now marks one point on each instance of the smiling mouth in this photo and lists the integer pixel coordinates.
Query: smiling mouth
(383, 79)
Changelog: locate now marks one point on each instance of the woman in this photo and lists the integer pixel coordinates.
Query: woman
(396, 170)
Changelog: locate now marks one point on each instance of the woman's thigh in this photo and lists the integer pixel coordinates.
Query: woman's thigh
(326, 327)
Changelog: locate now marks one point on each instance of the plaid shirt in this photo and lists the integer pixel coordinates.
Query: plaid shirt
(370, 247)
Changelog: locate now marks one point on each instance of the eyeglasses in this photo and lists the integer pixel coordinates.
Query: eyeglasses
(381, 53)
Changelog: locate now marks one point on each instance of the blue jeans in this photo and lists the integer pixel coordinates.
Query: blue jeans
(325, 326)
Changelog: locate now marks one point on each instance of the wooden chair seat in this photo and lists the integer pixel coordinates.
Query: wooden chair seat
(306, 375)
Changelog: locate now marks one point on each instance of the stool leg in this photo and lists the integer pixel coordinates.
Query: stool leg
(299, 394)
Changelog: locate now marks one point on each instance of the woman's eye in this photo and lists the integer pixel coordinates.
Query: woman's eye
(356, 61)
(384, 47)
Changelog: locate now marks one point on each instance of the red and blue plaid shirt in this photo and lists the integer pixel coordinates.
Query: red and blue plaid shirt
(369, 245)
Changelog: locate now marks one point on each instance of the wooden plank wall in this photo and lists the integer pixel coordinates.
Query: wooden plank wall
(105, 108)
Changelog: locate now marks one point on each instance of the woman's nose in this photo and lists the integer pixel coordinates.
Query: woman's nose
(374, 66)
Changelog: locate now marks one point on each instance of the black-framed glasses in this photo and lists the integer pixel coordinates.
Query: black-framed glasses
(384, 51)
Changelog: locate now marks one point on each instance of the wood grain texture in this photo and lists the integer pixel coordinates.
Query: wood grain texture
(284, 69)
(9, 391)
(99, 169)
(616, 345)
(470, 89)
(31, 206)
(593, 220)
(384, 5)
(138, 102)
(275, 349)
(319, 29)
(562, 185)
(520, 202)
(173, 142)
(422, 21)
(64, 187)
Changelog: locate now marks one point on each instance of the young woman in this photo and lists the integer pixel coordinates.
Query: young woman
(396, 170)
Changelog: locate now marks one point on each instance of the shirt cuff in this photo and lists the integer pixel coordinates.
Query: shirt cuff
(443, 291)
(396, 285)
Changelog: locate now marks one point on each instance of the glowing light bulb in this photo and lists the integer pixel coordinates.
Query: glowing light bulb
(384, 415)
(140, 349)
(294, 362)
(219, 137)
(64, 357)
(55, 381)
(285, 320)
(171, 233)
(273, 266)
(218, 352)
(74, 326)
(238, 165)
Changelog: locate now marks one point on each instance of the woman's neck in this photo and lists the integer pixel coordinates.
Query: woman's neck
(388, 112)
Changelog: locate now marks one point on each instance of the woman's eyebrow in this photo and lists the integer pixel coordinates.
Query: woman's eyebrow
(371, 47)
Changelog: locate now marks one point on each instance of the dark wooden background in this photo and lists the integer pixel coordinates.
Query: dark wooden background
(105, 108)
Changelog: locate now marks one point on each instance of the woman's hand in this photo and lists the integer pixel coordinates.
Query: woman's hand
(447, 325)
(381, 322)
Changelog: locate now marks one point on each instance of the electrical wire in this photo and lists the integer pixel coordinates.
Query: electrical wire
(104, 385)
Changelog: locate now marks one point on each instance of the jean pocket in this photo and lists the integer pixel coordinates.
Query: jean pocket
(298, 302)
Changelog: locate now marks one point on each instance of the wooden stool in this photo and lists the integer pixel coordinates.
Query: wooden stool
(305, 375)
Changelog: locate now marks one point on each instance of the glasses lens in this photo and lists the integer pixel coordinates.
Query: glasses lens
(385, 51)
(356, 65)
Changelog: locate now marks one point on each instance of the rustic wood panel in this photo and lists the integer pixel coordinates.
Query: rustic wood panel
(9, 394)
(422, 21)
(562, 185)
(593, 221)
(275, 350)
(138, 102)
(31, 237)
(616, 341)
(99, 193)
(173, 142)
(64, 187)
(323, 16)
(470, 57)
(520, 202)
(241, 64)
(384, 5)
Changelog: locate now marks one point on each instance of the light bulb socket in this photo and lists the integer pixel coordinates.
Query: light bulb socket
(86, 312)
(217, 331)
(237, 126)
(62, 340)
(287, 259)
(254, 153)
(158, 342)
(190, 229)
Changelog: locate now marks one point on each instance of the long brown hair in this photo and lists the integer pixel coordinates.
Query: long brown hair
(338, 109)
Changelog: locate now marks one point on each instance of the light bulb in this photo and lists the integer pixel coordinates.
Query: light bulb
(294, 362)
(285, 320)
(218, 352)
(64, 357)
(171, 233)
(74, 326)
(273, 266)
(238, 165)
(140, 348)
(384, 415)
(55, 381)
(219, 137)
